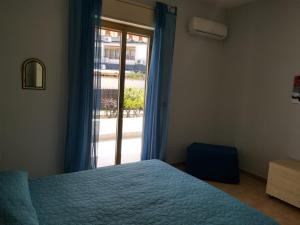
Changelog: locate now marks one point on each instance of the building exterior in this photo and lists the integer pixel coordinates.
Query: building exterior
(136, 47)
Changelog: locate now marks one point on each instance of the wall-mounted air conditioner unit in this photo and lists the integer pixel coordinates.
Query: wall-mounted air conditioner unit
(208, 28)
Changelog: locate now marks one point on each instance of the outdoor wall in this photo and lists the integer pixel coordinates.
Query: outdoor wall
(32, 123)
(261, 56)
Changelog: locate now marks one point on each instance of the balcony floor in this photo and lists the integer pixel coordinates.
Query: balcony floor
(131, 143)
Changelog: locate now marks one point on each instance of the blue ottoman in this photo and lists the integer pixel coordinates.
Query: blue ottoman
(213, 162)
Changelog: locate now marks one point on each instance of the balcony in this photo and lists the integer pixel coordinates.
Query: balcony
(131, 141)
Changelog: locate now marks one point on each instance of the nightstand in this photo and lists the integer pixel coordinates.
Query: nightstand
(284, 181)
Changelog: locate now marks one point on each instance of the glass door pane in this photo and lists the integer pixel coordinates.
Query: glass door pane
(137, 48)
(109, 72)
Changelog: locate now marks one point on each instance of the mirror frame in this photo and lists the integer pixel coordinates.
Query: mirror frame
(30, 60)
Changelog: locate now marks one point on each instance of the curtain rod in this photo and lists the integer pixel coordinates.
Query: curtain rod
(143, 5)
(138, 4)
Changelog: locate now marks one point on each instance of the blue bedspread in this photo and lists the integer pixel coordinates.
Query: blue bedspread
(148, 192)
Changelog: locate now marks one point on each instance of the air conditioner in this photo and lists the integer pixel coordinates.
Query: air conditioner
(208, 28)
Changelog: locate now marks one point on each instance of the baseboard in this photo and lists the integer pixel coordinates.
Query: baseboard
(254, 176)
(182, 166)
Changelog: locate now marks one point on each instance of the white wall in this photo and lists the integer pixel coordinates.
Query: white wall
(132, 12)
(32, 123)
(245, 102)
(197, 64)
(261, 56)
(196, 69)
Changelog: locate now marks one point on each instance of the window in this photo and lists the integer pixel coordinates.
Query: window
(111, 52)
(130, 53)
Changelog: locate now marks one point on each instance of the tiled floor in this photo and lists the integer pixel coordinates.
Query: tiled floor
(252, 192)
(131, 151)
(131, 141)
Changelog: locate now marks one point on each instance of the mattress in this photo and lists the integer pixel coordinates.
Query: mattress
(147, 192)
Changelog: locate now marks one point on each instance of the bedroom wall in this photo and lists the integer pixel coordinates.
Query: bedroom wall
(195, 76)
(261, 56)
(33, 123)
(196, 69)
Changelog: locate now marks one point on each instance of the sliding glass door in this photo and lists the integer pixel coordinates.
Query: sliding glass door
(124, 67)
(134, 95)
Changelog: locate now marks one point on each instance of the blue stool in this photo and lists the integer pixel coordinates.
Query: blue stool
(213, 162)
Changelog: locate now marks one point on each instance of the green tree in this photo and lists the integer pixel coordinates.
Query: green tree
(133, 99)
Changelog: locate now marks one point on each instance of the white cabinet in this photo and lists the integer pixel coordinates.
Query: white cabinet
(284, 181)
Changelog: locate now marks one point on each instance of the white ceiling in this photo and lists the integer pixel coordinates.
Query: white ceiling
(228, 3)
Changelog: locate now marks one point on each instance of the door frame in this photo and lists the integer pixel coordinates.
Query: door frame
(124, 30)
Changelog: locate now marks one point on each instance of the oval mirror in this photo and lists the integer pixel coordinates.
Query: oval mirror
(33, 74)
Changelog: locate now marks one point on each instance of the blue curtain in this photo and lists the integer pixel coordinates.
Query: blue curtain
(84, 18)
(159, 82)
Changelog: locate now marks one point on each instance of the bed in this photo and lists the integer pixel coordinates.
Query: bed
(147, 192)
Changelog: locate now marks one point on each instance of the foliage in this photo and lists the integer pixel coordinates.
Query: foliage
(134, 99)
(133, 103)
(110, 105)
